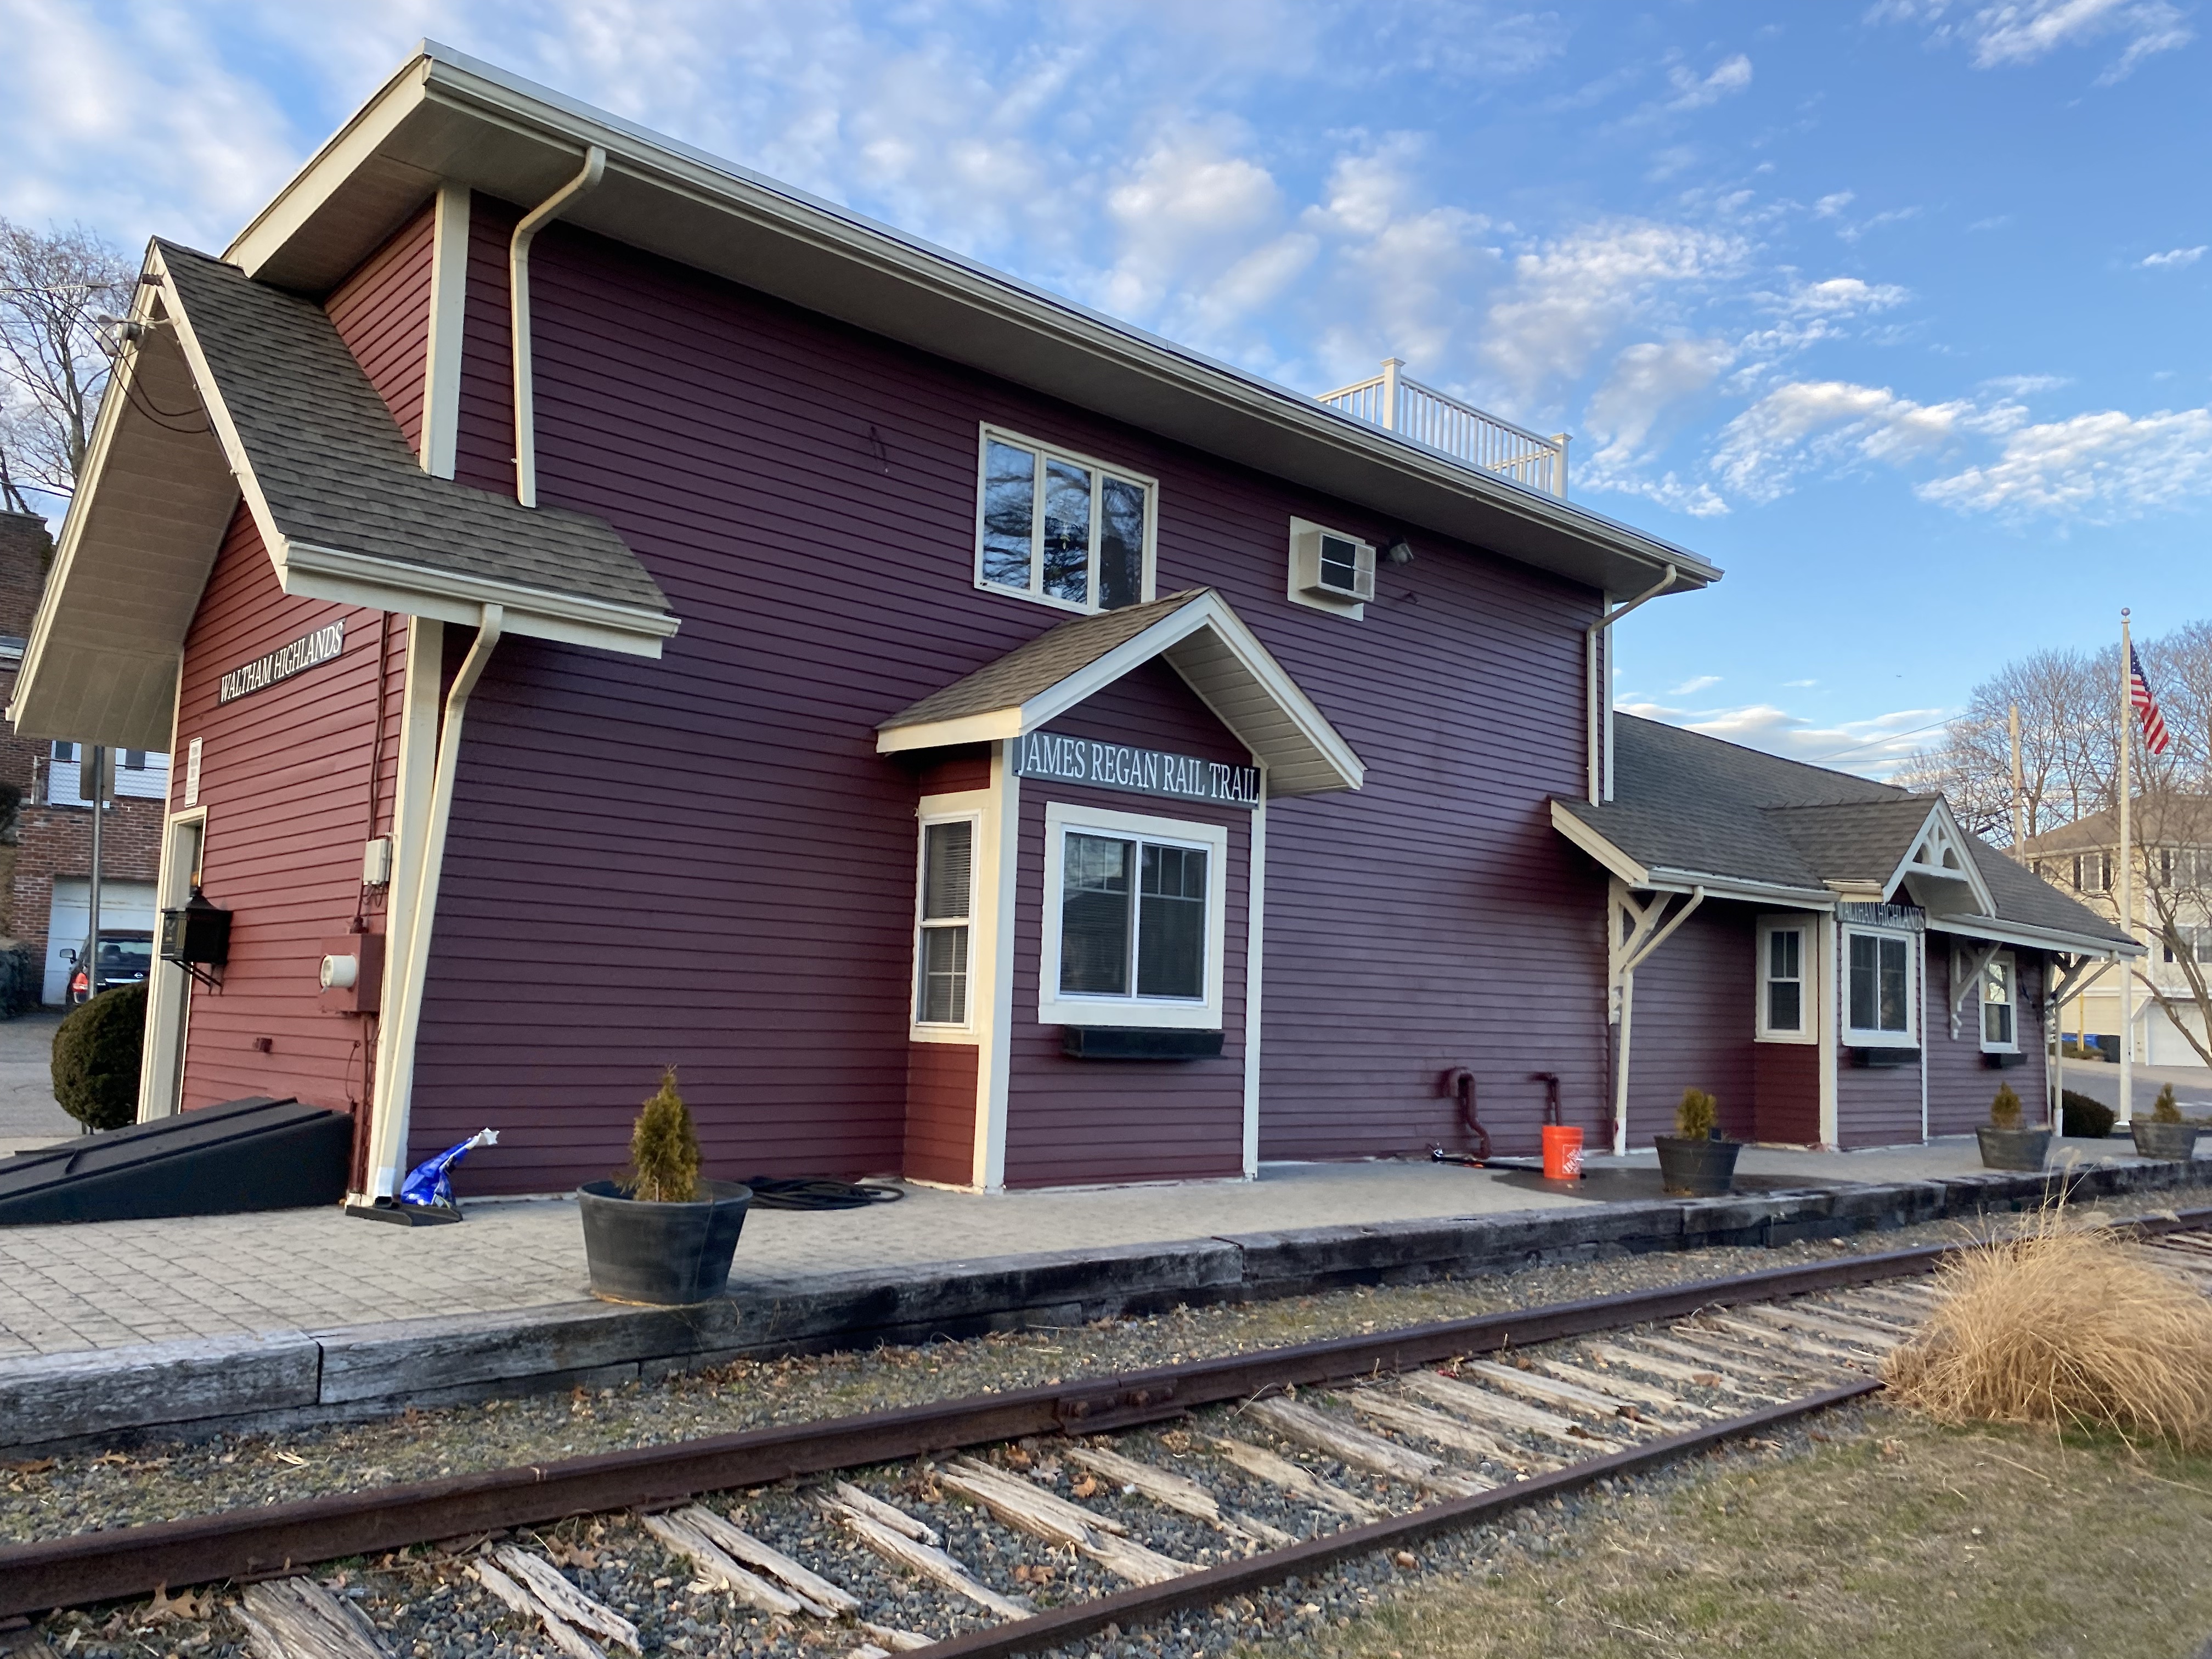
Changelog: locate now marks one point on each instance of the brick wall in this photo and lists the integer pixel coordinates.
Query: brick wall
(24, 549)
(57, 841)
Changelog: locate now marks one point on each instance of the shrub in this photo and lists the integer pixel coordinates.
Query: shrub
(96, 1051)
(2005, 1110)
(1695, 1118)
(2081, 1116)
(664, 1148)
(2064, 1327)
(2167, 1110)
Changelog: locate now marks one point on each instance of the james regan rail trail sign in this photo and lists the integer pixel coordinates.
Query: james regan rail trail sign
(1137, 771)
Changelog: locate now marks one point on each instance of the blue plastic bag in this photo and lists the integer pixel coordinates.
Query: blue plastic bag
(429, 1181)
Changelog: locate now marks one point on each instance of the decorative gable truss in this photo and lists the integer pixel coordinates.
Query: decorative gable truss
(1939, 869)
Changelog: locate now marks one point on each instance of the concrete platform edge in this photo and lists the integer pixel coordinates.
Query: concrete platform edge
(121, 1396)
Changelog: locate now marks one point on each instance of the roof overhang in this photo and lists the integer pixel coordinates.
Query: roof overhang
(1666, 879)
(448, 118)
(2035, 939)
(1222, 661)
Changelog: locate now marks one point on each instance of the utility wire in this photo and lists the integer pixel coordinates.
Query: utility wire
(1876, 743)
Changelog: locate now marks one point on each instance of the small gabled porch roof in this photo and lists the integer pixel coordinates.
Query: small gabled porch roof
(1197, 634)
(237, 390)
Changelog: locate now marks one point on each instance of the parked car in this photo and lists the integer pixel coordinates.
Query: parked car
(126, 957)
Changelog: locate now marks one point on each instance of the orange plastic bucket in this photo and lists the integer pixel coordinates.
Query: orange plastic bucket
(1563, 1153)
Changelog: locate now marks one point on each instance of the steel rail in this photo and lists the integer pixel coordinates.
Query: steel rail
(268, 1541)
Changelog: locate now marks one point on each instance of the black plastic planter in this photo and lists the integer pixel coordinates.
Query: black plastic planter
(666, 1255)
(2011, 1149)
(2174, 1140)
(1697, 1169)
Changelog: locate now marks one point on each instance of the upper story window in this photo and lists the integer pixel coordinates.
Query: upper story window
(1785, 978)
(2000, 999)
(1878, 991)
(139, 775)
(2093, 873)
(1063, 528)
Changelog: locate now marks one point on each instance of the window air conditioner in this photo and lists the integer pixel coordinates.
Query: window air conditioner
(1333, 566)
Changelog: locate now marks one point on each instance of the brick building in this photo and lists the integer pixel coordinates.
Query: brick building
(45, 826)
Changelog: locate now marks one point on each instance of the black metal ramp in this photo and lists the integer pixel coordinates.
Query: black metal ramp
(256, 1154)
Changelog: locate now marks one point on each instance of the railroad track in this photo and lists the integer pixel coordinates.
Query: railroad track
(1018, 1523)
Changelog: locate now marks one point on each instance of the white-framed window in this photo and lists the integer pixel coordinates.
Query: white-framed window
(1061, 528)
(2092, 872)
(2001, 1004)
(945, 921)
(1787, 979)
(1880, 989)
(1133, 919)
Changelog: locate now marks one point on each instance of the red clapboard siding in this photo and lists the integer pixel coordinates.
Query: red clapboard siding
(1788, 1093)
(383, 314)
(1959, 1086)
(940, 1112)
(285, 777)
(702, 859)
(1691, 1025)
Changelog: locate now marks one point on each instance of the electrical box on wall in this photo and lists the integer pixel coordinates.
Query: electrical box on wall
(376, 862)
(352, 974)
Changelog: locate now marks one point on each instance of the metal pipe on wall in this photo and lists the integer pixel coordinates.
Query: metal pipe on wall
(518, 298)
(1593, 686)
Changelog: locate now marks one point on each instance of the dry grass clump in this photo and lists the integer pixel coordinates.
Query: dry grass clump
(2068, 1327)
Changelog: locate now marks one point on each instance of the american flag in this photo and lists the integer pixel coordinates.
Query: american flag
(2146, 705)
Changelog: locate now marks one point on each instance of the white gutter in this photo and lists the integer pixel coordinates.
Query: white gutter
(406, 976)
(1596, 687)
(518, 294)
(1627, 1008)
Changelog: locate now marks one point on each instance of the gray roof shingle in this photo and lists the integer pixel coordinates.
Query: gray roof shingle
(1684, 802)
(336, 471)
(1030, 670)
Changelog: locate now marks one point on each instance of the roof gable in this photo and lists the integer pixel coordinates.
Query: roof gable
(1197, 634)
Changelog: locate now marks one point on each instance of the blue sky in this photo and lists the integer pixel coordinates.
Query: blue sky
(1896, 311)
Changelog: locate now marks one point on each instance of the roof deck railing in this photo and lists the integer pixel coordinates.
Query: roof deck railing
(1397, 402)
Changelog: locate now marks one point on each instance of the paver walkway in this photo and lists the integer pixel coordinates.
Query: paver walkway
(110, 1285)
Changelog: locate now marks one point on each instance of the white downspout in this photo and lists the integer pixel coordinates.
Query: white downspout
(1594, 687)
(422, 906)
(1627, 1009)
(518, 294)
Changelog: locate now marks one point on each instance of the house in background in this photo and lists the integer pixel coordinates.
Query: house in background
(45, 845)
(2172, 836)
(1836, 959)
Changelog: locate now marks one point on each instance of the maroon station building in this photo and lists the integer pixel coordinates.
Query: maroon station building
(608, 609)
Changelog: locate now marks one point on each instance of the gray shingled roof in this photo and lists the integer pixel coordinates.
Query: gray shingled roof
(1693, 805)
(1030, 670)
(336, 472)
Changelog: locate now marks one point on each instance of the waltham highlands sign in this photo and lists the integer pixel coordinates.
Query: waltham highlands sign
(1139, 771)
(307, 652)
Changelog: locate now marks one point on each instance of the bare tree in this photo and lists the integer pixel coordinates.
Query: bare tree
(2068, 745)
(55, 287)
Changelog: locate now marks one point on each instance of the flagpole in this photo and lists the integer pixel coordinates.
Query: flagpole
(2127, 885)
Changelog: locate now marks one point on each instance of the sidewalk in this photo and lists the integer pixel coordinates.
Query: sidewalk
(28, 1117)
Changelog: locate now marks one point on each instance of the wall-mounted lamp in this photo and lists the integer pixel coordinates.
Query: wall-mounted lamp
(1398, 552)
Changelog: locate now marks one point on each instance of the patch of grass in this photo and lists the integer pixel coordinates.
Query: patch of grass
(1912, 1542)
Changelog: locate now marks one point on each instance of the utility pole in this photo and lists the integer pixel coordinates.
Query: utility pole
(2019, 789)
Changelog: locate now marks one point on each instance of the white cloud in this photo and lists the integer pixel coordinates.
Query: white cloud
(1832, 206)
(1801, 422)
(2178, 256)
(2018, 32)
(1691, 688)
(1872, 747)
(1645, 382)
(2101, 466)
(1691, 92)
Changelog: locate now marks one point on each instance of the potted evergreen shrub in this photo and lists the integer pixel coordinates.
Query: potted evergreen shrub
(2166, 1134)
(662, 1234)
(1694, 1160)
(2005, 1144)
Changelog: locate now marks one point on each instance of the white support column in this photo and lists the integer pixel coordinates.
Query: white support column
(994, 930)
(1391, 367)
(1255, 957)
(449, 294)
(2127, 890)
(1832, 993)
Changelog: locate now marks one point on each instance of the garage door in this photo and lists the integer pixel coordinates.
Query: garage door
(122, 904)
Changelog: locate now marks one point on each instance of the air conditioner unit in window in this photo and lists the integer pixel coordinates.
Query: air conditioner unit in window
(1328, 565)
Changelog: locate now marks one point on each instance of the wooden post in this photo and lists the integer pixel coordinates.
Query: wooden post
(1391, 367)
(2019, 818)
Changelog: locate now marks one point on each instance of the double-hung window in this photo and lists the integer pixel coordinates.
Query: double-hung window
(1062, 528)
(2000, 1004)
(945, 925)
(1133, 924)
(1785, 978)
(1879, 988)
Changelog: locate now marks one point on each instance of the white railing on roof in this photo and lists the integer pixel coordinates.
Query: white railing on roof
(1397, 402)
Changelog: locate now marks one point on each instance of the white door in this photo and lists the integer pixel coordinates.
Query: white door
(122, 904)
